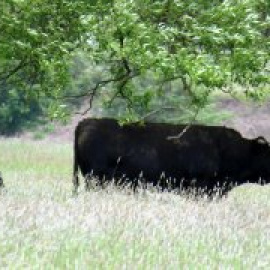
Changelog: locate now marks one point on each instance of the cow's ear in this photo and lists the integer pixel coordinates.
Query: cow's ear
(261, 140)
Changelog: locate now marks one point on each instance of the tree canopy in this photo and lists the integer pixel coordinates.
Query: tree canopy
(206, 45)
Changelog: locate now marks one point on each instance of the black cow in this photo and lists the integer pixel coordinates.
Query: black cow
(203, 157)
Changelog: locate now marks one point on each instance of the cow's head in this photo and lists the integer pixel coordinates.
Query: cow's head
(261, 159)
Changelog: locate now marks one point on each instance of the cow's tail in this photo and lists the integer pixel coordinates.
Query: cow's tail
(75, 179)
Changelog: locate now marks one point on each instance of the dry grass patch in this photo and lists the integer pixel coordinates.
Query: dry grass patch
(43, 226)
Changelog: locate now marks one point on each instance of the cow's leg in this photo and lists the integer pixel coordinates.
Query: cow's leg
(134, 184)
(144, 185)
(87, 180)
(88, 177)
(75, 181)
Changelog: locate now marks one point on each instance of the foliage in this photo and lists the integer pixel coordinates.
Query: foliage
(169, 104)
(204, 44)
(15, 111)
(210, 44)
(37, 38)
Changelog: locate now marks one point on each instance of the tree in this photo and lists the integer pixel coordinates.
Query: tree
(37, 38)
(204, 45)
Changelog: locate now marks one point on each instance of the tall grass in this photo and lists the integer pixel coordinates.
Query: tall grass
(43, 227)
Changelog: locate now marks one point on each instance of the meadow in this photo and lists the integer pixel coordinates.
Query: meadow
(42, 226)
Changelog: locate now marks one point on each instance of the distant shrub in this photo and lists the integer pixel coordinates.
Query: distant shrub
(16, 111)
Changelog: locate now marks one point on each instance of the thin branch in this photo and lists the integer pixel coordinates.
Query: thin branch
(173, 78)
(93, 94)
(186, 85)
(187, 127)
(120, 92)
(13, 71)
(84, 112)
(90, 92)
(124, 60)
(143, 118)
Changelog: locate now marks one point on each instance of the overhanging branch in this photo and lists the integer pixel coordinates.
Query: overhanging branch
(143, 118)
(197, 111)
(123, 80)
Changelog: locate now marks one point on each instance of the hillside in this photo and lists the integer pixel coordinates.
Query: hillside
(252, 120)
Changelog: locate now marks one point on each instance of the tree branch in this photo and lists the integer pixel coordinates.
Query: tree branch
(187, 127)
(186, 85)
(93, 91)
(143, 118)
(13, 71)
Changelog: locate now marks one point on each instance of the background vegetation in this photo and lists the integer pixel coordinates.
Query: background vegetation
(155, 56)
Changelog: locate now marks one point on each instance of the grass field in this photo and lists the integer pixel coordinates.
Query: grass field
(43, 227)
